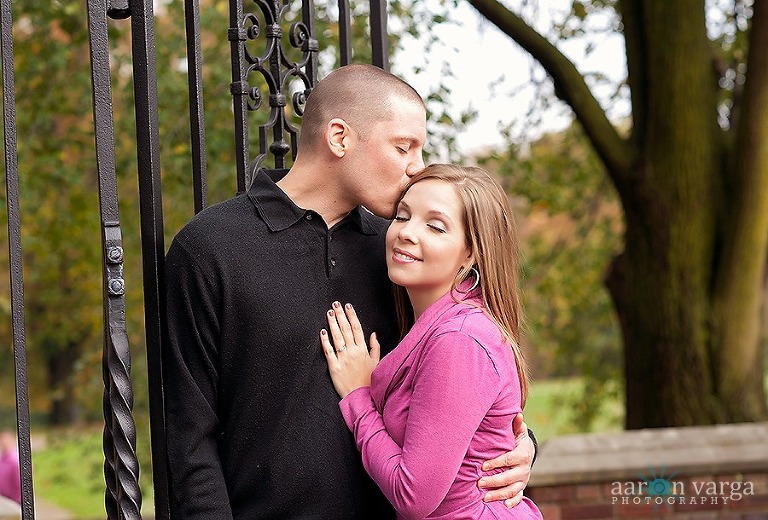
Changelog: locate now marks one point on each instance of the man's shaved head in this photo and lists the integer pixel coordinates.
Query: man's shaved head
(359, 94)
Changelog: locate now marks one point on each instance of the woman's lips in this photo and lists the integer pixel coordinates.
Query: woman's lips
(403, 257)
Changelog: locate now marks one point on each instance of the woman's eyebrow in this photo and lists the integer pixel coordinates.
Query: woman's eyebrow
(438, 213)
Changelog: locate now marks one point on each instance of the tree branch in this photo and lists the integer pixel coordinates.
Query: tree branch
(615, 152)
(751, 151)
(738, 293)
(631, 15)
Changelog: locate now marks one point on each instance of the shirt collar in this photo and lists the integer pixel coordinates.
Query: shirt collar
(463, 294)
(361, 219)
(280, 212)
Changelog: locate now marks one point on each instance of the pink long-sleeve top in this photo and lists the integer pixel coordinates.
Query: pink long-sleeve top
(439, 405)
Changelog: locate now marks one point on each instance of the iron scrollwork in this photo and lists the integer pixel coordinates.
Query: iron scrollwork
(278, 72)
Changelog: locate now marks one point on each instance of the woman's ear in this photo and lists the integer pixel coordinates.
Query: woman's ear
(337, 132)
(466, 266)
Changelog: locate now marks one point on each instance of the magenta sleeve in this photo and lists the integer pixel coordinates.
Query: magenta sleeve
(454, 386)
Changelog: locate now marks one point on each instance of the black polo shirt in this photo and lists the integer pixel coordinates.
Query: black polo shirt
(252, 416)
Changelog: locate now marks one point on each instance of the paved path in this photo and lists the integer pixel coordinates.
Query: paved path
(10, 510)
(47, 511)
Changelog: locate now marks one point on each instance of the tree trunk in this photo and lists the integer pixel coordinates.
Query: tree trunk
(678, 364)
(61, 382)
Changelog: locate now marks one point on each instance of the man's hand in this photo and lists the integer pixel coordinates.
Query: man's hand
(509, 485)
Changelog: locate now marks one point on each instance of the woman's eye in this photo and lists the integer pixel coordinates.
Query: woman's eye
(402, 150)
(436, 227)
(401, 218)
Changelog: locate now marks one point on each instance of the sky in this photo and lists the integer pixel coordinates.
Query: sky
(488, 66)
(480, 54)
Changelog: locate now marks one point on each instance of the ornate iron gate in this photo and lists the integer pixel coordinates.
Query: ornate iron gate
(121, 468)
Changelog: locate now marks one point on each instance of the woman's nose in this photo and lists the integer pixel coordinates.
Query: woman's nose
(407, 233)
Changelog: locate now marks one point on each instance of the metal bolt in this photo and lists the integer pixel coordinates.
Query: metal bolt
(115, 255)
(116, 286)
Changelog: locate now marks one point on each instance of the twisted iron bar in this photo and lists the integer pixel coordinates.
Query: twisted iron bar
(118, 389)
(278, 72)
(121, 468)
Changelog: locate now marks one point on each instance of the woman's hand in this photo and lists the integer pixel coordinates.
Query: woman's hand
(349, 361)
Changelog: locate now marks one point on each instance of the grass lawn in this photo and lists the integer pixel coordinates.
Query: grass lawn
(69, 473)
(549, 411)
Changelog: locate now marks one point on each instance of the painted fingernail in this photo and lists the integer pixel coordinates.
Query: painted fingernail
(349, 306)
(323, 332)
(330, 312)
(336, 304)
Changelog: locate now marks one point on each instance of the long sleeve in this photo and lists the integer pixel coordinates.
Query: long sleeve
(454, 387)
(193, 427)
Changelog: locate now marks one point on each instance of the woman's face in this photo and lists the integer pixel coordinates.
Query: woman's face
(426, 242)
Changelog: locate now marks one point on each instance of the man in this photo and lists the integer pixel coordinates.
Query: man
(254, 427)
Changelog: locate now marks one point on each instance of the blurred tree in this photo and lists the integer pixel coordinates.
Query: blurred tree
(59, 207)
(570, 224)
(692, 179)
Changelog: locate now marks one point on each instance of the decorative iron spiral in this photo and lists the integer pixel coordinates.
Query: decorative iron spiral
(278, 71)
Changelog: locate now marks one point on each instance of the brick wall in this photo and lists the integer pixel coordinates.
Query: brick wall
(695, 473)
(595, 501)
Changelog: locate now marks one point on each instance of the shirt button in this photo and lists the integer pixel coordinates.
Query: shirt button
(333, 262)
(308, 216)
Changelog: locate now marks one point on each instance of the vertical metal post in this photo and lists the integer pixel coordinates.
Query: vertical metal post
(239, 89)
(196, 112)
(152, 241)
(274, 77)
(345, 33)
(121, 468)
(308, 18)
(15, 258)
(379, 37)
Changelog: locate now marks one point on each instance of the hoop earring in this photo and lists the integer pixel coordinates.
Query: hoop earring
(474, 271)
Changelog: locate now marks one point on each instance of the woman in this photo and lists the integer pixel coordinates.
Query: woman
(443, 400)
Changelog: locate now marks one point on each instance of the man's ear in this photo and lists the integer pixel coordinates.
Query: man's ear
(337, 133)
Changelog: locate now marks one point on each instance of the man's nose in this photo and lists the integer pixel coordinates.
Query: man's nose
(415, 166)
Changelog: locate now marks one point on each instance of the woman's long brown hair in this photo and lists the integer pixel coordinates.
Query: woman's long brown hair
(492, 235)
